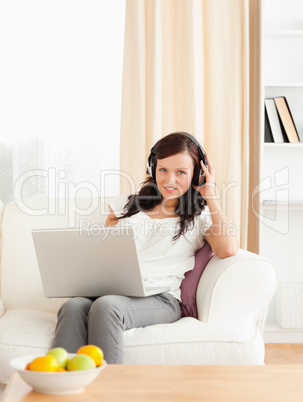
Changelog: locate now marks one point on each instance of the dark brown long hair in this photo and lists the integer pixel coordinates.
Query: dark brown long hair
(190, 203)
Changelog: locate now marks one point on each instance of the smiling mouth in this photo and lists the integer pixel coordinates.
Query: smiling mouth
(170, 188)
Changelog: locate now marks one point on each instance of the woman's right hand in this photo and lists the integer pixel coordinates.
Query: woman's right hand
(111, 219)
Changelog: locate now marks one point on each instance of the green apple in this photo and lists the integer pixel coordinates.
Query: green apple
(60, 354)
(80, 362)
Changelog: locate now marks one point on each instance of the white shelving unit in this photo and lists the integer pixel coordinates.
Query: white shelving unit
(281, 165)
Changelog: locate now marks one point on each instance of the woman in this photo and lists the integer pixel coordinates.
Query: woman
(175, 210)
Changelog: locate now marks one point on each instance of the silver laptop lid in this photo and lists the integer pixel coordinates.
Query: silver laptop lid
(86, 262)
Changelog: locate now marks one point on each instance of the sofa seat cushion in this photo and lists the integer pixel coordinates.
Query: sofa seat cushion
(24, 332)
(189, 341)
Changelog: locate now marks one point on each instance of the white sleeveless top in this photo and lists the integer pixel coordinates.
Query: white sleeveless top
(163, 260)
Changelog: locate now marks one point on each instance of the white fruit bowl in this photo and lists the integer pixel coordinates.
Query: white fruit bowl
(62, 382)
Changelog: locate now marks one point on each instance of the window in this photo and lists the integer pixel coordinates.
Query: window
(60, 96)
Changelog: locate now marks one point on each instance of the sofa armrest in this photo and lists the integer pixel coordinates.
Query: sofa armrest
(236, 289)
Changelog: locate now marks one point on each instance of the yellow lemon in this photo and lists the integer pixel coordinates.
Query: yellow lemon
(44, 363)
(93, 351)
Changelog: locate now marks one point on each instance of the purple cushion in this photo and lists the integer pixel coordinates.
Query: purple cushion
(190, 283)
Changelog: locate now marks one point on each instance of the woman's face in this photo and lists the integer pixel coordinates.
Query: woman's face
(174, 175)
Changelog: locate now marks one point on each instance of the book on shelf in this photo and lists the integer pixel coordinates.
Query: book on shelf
(267, 130)
(286, 119)
(273, 129)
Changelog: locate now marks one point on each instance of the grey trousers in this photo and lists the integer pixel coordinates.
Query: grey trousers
(102, 321)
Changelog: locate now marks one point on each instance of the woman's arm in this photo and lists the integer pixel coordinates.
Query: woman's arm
(111, 219)
(221, 235)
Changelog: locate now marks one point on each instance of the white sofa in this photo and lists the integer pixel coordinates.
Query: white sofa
(232, 297)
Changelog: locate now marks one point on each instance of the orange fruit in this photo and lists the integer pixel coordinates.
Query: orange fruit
(27, 366)
(44, 363)
(93, 351)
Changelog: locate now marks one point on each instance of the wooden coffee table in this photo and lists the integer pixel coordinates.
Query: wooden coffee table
(178, 383)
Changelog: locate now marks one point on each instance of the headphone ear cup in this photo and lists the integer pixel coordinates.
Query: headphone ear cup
(151, 165)
(197, 176)
(201, 177)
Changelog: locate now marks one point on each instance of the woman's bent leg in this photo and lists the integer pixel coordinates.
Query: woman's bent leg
(71, 328)
(110, 316)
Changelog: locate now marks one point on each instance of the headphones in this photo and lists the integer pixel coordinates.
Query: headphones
(151, 161)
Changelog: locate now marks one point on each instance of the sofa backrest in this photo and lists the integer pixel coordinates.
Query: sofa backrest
(21, 285)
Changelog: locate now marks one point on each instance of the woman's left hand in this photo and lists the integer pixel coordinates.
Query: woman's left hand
(208, 187)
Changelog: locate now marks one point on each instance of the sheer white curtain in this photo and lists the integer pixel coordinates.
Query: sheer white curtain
(194, 66)
(60, 97)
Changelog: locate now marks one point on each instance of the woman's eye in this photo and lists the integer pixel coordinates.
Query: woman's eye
(181, 172)
(162, 170)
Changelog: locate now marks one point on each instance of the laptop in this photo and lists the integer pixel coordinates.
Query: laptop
(90, 262)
